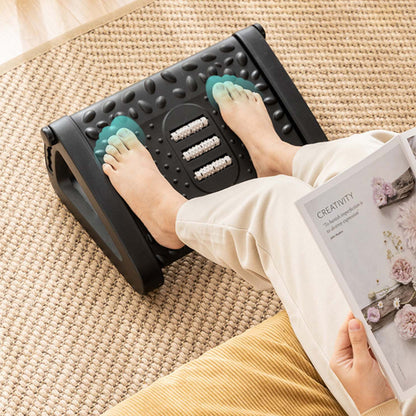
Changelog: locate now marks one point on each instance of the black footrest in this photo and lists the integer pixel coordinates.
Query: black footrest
(188, 139)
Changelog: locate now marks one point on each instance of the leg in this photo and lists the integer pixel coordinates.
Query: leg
(317, 163)
(134, 175)
(255, 228)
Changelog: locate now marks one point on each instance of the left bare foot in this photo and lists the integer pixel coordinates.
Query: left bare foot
(246, 115)
(136, 178)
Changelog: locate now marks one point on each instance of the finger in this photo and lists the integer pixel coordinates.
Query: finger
(358, 339)
(342, 343)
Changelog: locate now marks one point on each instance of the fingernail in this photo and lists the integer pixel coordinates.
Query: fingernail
(354, 325)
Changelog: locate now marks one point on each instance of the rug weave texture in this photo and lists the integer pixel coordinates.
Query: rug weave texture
(75, 339)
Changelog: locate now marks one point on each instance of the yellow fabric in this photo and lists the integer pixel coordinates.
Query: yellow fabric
(389, 408)
(263, 371)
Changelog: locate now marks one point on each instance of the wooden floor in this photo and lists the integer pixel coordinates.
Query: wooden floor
(30, 27)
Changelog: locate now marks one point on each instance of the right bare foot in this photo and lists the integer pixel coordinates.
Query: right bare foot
(246, 115)
(136, 178)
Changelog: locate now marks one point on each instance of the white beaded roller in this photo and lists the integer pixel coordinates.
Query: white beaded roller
(212, 167)
(201, 148)
(189, 129)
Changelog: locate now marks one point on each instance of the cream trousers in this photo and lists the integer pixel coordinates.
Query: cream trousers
(255, 229)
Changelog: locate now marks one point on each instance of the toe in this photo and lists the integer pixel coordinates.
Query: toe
(250, 95)
(242, 91)
(232, 90)
(111, 150)
(128, 138)
(110, 160)
(118, 144)
(108, 169)
(220, 94)
(257, 96)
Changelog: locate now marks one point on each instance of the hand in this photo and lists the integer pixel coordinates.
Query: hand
(356, 367)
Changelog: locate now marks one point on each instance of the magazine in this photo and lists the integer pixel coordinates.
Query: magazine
(364, 221)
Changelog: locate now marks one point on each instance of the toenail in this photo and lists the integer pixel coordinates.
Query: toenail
(123, 132)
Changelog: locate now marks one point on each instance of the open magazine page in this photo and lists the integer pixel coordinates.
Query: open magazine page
(364, 221)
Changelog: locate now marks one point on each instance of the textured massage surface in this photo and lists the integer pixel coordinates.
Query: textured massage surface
(175, 116)
(190, 146)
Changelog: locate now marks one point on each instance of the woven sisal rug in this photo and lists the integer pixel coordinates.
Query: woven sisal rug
(75, 339)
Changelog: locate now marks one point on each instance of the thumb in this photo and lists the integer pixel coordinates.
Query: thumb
(358, 340)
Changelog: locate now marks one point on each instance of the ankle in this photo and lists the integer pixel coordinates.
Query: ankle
(281, 157)
(167, 210)
(274, 158)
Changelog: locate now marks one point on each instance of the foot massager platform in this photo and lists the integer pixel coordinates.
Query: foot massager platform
(174, 115)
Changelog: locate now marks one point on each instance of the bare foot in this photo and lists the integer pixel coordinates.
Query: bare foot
(136, 178)
(246, 115)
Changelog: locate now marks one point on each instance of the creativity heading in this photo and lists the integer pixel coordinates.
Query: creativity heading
(333, 206)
